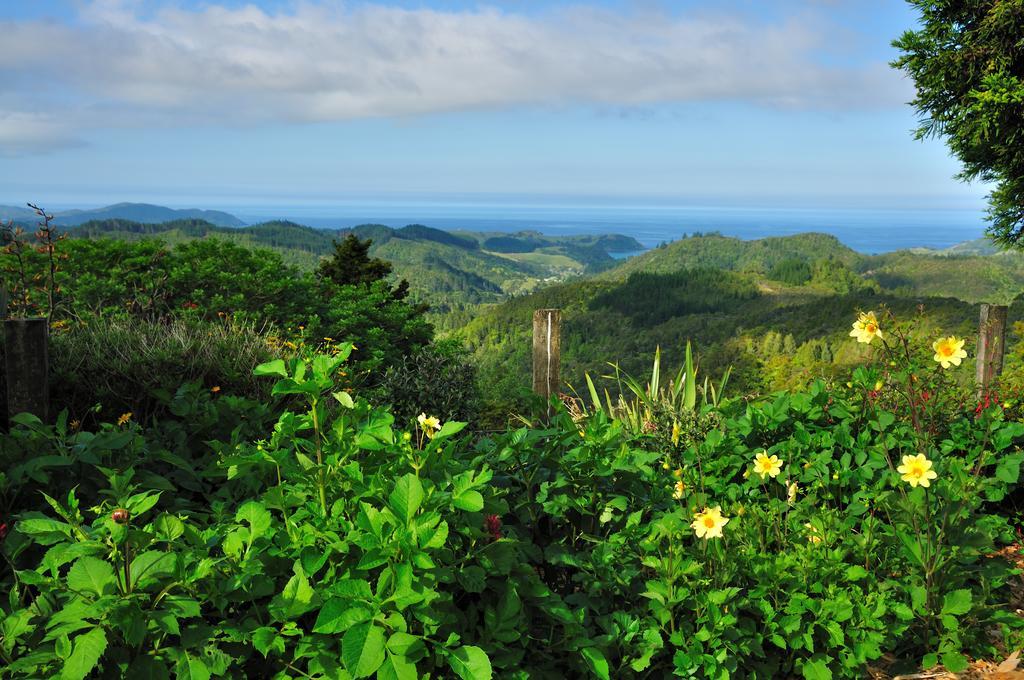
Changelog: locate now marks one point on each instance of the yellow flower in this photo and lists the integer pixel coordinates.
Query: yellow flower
(679, 490)
(865, 328)
(835, 475)
(429, 424)
(879, 385)
(125, 418)
(75, 424)
(675, 434)
(917, 470)
(215, 389)
(791, 491)
(949, 351)
(709, 523)
(766, 465)
(1006, 404)
(812, 533)
(678, 474)
(666, 466)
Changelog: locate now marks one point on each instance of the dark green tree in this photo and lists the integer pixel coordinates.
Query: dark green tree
(967, 63)
(351, 264)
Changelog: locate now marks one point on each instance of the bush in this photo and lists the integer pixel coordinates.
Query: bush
(438, 379)
(812, 533)
(126, 364)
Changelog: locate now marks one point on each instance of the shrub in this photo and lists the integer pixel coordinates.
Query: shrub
(812, 533)
(438, 379)
(125, 364)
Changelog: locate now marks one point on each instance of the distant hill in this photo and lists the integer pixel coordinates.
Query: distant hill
(137, 212)
(776, 310)
(734, 254)
(452, 271)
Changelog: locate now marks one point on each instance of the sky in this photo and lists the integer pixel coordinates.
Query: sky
(273, 102)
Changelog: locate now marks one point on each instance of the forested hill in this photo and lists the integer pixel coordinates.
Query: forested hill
(776, 310)
(974, 271)
(452, 271)
(723, 252)
(138, 212)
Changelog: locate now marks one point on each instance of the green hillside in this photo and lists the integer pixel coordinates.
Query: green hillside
(970, 272)
(452, 271)
(778, 310)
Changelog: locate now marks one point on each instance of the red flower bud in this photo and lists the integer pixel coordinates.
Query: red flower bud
(3, 530)
(492, 523)
(120, 515)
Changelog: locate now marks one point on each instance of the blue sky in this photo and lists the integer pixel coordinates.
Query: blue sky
(233, 103)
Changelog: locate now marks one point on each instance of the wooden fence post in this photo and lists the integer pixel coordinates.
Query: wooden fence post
(27, 362)
(991, 341)
(547, 345)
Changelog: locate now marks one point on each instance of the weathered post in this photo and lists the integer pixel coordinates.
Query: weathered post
(27, 362)
(547, 356)
(991, 341)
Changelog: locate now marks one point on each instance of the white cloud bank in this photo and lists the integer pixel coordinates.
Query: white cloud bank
(118, 66)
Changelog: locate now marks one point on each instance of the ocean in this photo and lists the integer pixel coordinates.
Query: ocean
(864, 230)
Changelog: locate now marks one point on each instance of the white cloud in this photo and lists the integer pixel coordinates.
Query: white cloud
(24, 133)
(318, 62)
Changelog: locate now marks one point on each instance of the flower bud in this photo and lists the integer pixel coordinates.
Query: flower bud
(120, 516)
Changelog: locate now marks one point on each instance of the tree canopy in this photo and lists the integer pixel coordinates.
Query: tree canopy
(967, 61)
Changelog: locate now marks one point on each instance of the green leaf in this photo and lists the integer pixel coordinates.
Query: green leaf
(596, 662)
(295, 600)
(470, 663)
(169, 527)
(86, 652)
(339, 615)
(362, 649)
(404, 644)
(957, 602)
(918, 598)
(192, 668)
(1008, 469)
(406, 498)
(142, 502)
(955, 662)
(149, 566)
(448, 429)
(275, 367)
(856, 573)
(345, 399)
(266, 640)
(397, 668)
(469, 500)
(91, 575)
(256, 516)
(816, 670)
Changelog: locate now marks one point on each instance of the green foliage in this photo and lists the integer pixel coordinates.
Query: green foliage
(351, 265)
(793, 271)
(439, 379)
(126, 364)
(450, 271)
(329, 548)
(966, 64)
(666, 415)
(214, 280)
(684, 292)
